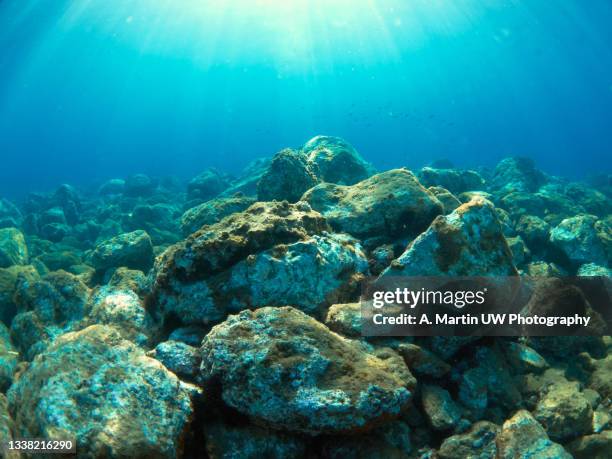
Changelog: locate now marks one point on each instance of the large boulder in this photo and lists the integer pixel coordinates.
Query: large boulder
(336, 160)
(516, 174)
(467, 242)
(207, 185)
(287, 178)
(564, 412)
(139, 185)
(10, 215)
(47, 308)
(584, 239)
(284, 369)
(212, 211)
(104, 392)
(392, 204)
(13, 248)
(522, 437)
(454, 180)
(441, 411)
(230, 249)
(131, 250)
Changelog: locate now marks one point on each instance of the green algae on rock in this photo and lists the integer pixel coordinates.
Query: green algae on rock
(141, 409)
(284, 369)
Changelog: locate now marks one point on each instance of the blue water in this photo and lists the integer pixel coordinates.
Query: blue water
(93, 89)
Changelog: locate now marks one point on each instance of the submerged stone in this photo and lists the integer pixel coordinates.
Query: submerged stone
(103, 391)
(391, 204)
(207, 185)
(287, 178)
(131, 250)
(336, 160)
(564, 412)
(584, 239)
(441, 411)
(225, 440)
(477, 443)
(467, 242)
(516, 174)
(521, 437)
(13, 248)
(454, 180)
(288, 371)
(212, 212)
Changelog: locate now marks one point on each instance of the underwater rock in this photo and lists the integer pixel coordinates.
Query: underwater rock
(212, 212)
(224, 441)
(8, 286)
(48, 307)
(467, 242)
(54, 232)
(477, 443)
(139, 185)
(103, 391)
(10, 216)
(392, 204)
(308, 274)
(286, 370)
(533, 230)
(448, 200)
(131, 250)
(61, 259)
(180, 358)
(422, 362)
(544, 269)
(179, 288)
(593, 201)
(67, 197)
(246, 183)
(336, 160)
(597, 446)
(287, 178)
(389, 441)
(207, 185)
(592, 269)
(601, 376)
(13, 248)
(488, 383)
(130, 279)
(9, 357)
(523, 358)
(584, 239)
(516, 174)
(521, 437)
(520, 251)
(564, 412)
(112, 187)
(124, 310)
(7, 429)
(153, 217)
(454, 180)
(441, 411)
(345, 319)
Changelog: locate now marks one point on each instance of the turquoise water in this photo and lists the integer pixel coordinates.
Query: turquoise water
(96, 89)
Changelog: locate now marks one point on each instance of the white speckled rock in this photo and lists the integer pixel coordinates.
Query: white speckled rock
(286, 370)
(102, 390)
